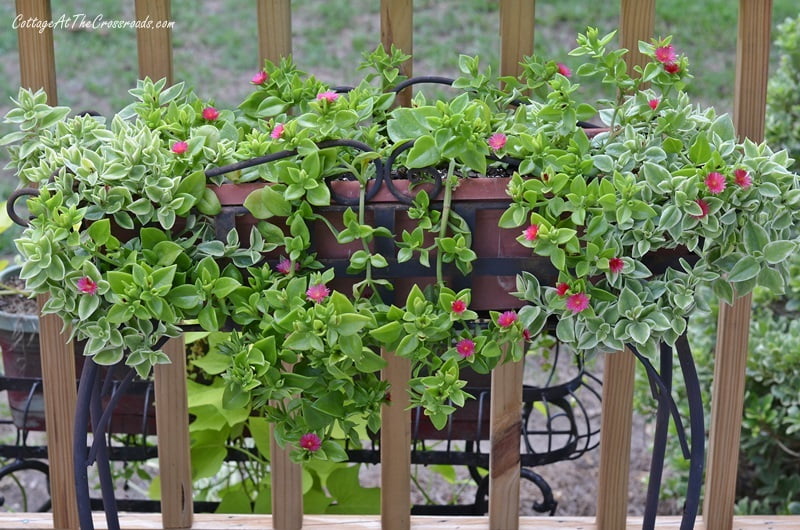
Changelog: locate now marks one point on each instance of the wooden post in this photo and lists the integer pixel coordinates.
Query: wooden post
(636, 23)
(172, 424)
(38, 70)
(154, 47)
(397, 28)
(733, 326)
(396, 446)
(287, 488)
(505, 435)
(517, 19)
(274, 30)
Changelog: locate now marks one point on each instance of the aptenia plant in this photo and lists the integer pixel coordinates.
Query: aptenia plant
(126, 237)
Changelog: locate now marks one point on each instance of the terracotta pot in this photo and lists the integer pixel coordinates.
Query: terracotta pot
(19, 342)
(481, 201)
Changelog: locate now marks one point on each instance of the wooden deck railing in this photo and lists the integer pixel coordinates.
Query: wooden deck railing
(37, 63)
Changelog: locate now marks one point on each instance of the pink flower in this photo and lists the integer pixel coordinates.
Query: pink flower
(318, 292)
(458, 306)
(654, 103)
(564, 70)
(277, 132)
(284, 266)
(666, 54)
(577, 302)
(616, 265)
(715, 182)
(703, 207)
(562, 288)
(497, 141)
(743, 178)
(672, 68)
(330, 96)
(310, 442)
(526, 334)
(260, 78)
(531, 232)
(506, 319)
(179, 147)
(86, 285)
(465, 348)
(210, 113)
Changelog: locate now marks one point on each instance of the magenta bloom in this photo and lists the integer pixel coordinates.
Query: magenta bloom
(577, 302)
(497, 141)
(507, 319)
(616, 265)
(743, 178)
(284, 266)
(277, 132)
(260, 78)
(458, 306)
(666, 54)
(179, 147)
(330, 96)
(562, 288)
(531, 232)
(703, 207)
(86, 285)
(310, 442)
(465, 348)
(318, 292)
(564, 70)
(526, 334)
(672, 68)
(653, 103)
(715, 182)
(210, 113)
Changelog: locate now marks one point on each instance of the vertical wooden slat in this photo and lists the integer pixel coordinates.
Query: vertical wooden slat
(517, 18)
(38, 70)
(396, 446)
(37, 58)
(287, 488)
(397, 27)
(172, 424)
(505, 434)
(636, 23)
(615, 440)
(733, 326)
(154, 45)
(274, 30)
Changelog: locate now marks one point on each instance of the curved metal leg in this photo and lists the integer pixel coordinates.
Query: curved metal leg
(86, 387)
(549, 503)
(697, 432)
(659, 441)
(103, 463)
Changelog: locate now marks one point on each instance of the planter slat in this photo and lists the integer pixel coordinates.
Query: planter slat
(396, 446)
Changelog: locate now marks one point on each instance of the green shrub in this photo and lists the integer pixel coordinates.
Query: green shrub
(783, 95)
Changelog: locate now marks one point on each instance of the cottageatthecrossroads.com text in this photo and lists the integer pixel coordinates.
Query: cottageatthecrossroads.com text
(80, 21)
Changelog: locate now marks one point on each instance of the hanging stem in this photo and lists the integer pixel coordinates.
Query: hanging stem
(446, 206)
